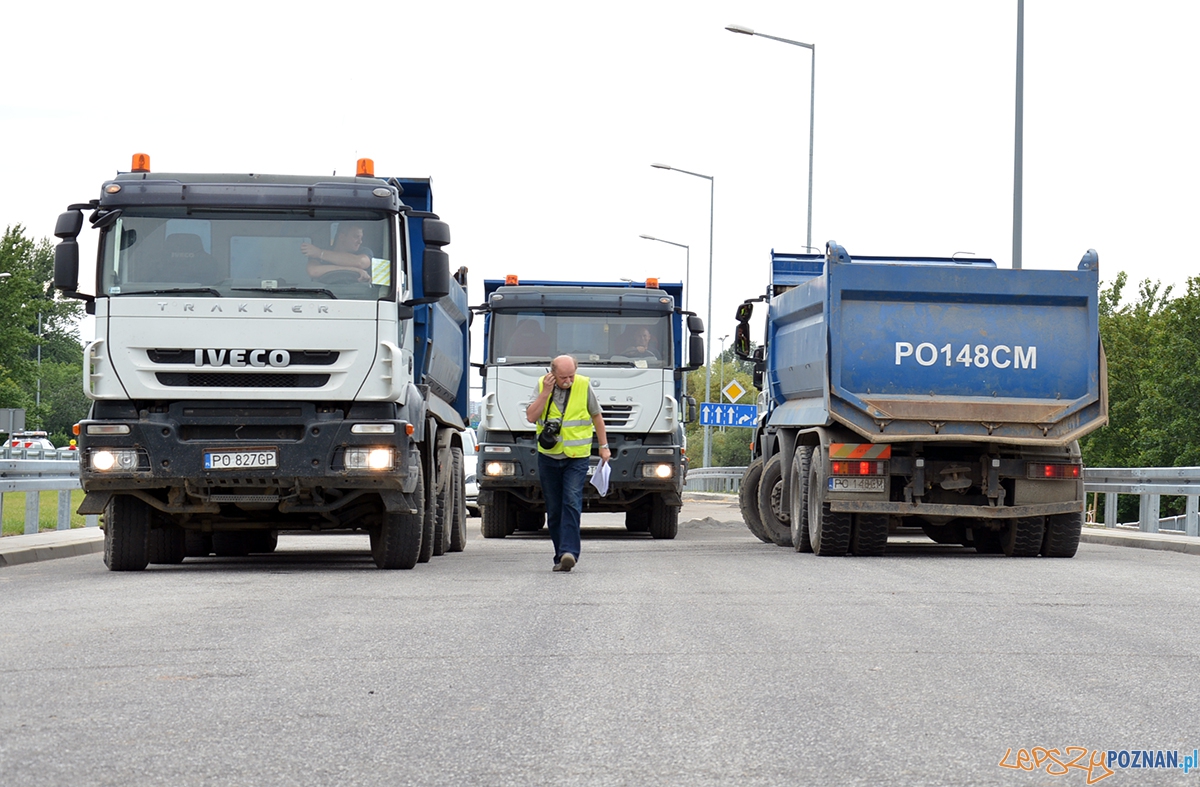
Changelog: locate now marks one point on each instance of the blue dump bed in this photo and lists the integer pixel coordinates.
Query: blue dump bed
(907, 349)
(441, 350)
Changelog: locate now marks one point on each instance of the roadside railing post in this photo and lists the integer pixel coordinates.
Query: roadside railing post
(1192, 518)
(64, 510)
(1110, 509)
(33, 501)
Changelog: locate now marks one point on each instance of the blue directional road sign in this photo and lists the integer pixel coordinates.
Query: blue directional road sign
(715, 414)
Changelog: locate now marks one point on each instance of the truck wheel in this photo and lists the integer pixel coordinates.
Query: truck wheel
(637, 518)
(952, 532)
(231, 543)
(530, 521)
(197, 543)
(1023, 538)
(829, 531)
(494, 522)
(664, 519)
(262, 541)
(798, 515)
(869, 535)
(396, 542)
(444, 513)
(126, 534)
(458, 520)
(770, 503)
(985, 540)
(167, 544)
(748, 500)
(428, 523)
(1062, 535)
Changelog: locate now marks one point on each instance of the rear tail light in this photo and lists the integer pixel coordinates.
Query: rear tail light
(1053, 470)
(857, 467)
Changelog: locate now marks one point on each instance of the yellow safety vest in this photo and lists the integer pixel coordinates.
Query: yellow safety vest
(575, 438)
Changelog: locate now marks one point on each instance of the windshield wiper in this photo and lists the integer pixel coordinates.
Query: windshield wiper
(315, 290)
(175, 291)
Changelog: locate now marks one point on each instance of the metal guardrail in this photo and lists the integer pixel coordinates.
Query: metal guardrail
(8, 452)
(714, 479)
(32, 476)
(1148, 483)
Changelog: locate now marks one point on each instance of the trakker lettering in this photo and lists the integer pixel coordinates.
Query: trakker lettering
(242, 308)
(260, 358)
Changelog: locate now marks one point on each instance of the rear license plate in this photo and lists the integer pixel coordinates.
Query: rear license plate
(864, 484)
(239, 460)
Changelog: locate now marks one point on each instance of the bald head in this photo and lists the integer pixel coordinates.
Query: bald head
(563, 369)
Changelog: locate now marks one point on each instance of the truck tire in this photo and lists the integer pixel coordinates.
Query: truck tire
(1023, 538)
(798, 516)
(444, 512)
(428, 523)
(396, 541)
(231, 543)
(530, 521)
(263, 542)
(637, 518)
(952, 532)
(1061, 538)
(829, 531)
(197, 543)
(748, 500)
(664, 519)
(126, 534)
(494, 522)
(869, 535)
(985, 540)
(167, 544)
(458, 521)
(770, 503)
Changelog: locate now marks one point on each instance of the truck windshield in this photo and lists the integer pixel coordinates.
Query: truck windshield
(304, 254)
(536, 337)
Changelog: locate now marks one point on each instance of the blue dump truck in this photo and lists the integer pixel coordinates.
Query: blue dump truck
(629, 339)
(271, 353)
(938, 393)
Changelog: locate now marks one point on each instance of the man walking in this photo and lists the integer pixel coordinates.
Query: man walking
(566, 413)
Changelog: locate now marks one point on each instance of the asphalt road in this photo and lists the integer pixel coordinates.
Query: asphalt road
(710, 659)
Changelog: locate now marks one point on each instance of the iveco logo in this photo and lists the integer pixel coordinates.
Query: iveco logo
(243, 357)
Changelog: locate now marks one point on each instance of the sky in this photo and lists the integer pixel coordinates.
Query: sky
(538, 123)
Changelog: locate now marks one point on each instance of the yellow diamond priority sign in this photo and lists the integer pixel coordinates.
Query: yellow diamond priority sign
(733, 391)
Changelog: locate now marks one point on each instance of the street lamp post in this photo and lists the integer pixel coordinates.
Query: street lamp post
(687, 282)
(812, 101)
(687, 266)
(708, 321)
(721, 358)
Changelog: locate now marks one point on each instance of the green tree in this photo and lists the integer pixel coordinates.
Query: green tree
(731, 447)
(1169, 429)
(33, 316)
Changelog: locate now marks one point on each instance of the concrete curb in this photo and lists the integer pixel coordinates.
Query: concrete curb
(1135, 538)
(16, 550)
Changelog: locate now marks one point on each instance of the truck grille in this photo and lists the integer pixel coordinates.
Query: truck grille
(298, 357)
(249, 380)
(256, 433)
(617, 415)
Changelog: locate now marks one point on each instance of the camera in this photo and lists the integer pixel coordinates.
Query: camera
(548, 438)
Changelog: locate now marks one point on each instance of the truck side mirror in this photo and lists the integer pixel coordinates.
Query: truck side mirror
(436, 233)
(435, 276)
(744, 311)
(695, 324)
(66, 253)
(741, 339)
(689, 409)
(695, 352)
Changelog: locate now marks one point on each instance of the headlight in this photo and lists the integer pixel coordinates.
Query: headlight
(499, 468)
(370, 459)
(657, 471)
(120, 459)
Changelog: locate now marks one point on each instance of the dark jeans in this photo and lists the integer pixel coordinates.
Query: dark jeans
(562, 488)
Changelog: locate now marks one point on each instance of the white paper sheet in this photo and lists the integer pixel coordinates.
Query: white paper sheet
(600, 478)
